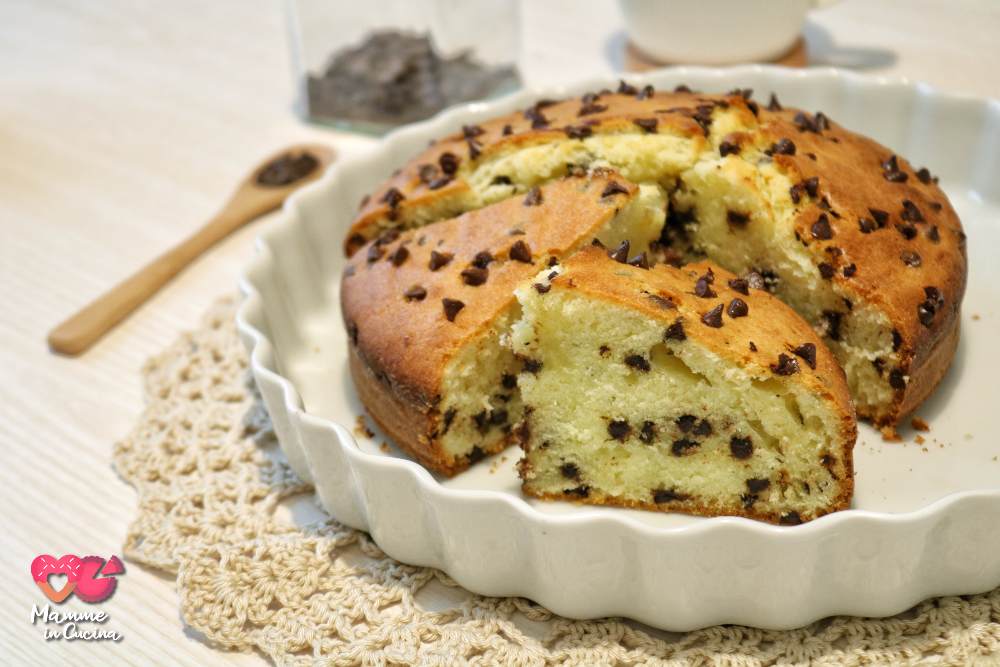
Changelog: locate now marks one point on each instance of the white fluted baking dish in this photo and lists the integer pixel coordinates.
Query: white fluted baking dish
(926, 516)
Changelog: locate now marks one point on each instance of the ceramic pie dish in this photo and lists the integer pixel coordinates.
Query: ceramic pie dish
(925, 519)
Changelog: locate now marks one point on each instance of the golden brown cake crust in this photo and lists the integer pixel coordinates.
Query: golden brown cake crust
(895, 241)
(400, 345)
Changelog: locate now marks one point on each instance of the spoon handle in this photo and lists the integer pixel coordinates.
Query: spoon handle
(76, 334)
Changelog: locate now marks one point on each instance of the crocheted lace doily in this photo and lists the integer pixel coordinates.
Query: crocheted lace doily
(219, 507)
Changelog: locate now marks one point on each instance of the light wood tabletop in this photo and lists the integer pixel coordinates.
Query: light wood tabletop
(125, 125)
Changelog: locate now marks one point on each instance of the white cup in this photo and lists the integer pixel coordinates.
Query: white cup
(716, 32)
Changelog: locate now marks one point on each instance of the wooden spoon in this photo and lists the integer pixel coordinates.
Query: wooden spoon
(262, 191)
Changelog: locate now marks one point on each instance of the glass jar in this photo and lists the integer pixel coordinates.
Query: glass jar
(370, 66)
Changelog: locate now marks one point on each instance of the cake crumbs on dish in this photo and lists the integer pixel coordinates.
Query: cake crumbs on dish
(975, 317)
(384, 447)
(361, 428)
(919, 440)
(919, 424)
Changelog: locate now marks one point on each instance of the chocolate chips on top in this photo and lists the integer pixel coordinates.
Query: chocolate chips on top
(415, 293)
(740, 285)
(399, 256)
(620, 253)
(451, 308)
(821, 229)
(891, 171)
(781, 147)
(520, 252)
(702, 287)
(910, 258)
(648, 125)
(475, 276)
(713, 318)
(449, 163)
(933, 302)
(439, 260)
(910, 212)
(737, 308)
(786, 365)
(534, 197)
(806, 352)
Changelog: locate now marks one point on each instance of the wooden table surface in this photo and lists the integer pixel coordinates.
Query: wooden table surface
(122, 127)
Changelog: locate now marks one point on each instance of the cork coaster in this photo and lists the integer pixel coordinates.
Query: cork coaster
(637, 61)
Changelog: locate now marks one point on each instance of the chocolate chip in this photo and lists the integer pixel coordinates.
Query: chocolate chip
(781, 147)
(682, 88)
(821, 121)
(498, 417)
(739, 285)
(910, 212)
(582, 491)
(833, 319)
(614, 188)
(620, 254)
(451, 308)
(924, 175)
(640, 261)
(667, 495)
(826, 270)
(757, 484)
(881, 217)
(531, 366)
(850, 270)
(400, 255)
(908, 231)
(476, 455)
(685, 423)
(740, 448)
(866, 225)
(475, 148)
(392, 197)
(933, 234)
(507, 130)
(439, 183)
(415, 293)
(682, 446)
(675, 331)
(542, 288)
(638, 362)
(537, 118)
(910, 258)
(821, 229)
(897, 340)
(728, 148)
(702, 286)
(534, 197)
(662, 301)
(508, 381)
(891, 171)
(930, 306)
(470, 131)
(936, 206)
(474, 276)
(578, 131)
(482, 259)
(897, 380)
(648, 432)
(786, 365)
(427, 173)
(748, 499)
(806, 352)
(570, 471)
(805, 123)
(619, 429)
(375, 252)
(790, 519)
(449, 163)
(604, 350)
(737, 219)
(646, 92)
(439, 259)
(449, 417)
(753, 348)
(713, 318)
(589, 108)
(520, 252)
(647, 124)
(774, 104)
(738, 308)
(704, 428)
(626, 89)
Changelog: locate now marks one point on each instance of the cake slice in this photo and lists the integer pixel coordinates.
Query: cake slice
(425, 310)
(684, 390)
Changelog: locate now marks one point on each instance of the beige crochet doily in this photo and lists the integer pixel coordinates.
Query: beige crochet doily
(219, 507)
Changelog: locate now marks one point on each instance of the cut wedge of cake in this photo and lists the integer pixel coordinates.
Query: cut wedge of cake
(681, 390)
(425, 310)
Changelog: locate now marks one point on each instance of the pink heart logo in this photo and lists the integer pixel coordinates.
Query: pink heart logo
(45, 565)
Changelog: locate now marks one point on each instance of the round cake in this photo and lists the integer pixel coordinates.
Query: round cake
(862, 245)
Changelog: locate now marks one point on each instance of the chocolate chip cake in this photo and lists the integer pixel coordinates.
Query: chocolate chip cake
(426, 309)
(864, 246)
(673, 389)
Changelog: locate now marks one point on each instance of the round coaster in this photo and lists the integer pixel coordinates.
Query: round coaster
(638, 61)
(260, 568)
